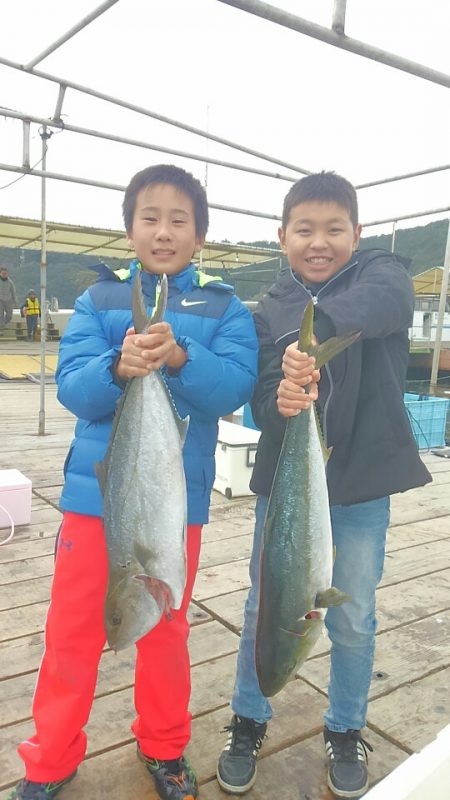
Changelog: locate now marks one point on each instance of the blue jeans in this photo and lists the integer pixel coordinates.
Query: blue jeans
(359, 536)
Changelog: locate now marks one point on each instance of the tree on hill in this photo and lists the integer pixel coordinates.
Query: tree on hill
(69, 275)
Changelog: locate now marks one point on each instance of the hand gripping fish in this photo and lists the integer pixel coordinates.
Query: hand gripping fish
(297, 555)
(144, 500)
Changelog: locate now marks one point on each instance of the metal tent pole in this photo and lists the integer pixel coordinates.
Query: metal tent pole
(440, 321)
(45, 135)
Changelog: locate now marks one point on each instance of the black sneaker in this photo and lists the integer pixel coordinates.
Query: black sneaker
(30, 790)
(174, 779)
(236, 770)
(347, 763)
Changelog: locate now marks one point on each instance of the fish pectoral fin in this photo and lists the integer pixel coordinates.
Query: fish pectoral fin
(331, 597)
(161, 593)
(332, 347)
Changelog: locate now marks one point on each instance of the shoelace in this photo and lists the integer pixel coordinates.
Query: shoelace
(345, 746)
(242, 740)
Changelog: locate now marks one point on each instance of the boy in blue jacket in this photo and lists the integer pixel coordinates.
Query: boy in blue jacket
(374, 455)
(206, 348)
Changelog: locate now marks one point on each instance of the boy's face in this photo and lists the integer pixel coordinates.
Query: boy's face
(163, 233)
(319, 240)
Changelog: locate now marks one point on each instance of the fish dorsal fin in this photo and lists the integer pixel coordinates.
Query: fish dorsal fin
(326, 451)
(141, 319)
(183, 425)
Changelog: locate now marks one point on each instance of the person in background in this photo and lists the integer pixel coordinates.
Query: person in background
(31, 310)
(8, 298)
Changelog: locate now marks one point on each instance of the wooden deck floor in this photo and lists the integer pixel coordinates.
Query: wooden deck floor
(409, 699)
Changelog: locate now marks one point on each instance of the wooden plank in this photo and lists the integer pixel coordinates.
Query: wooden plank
(299, 771)
(228, 607)
(413, 714)
(23, 621)
(17, 595)
(226, 550)
(408, 563)
(26, 569)
(429, 501)
(414, 561)
(116, 671)
(418, 598)
(221, 579)
(402, 655)
(413, 600)
(30, 548)
(22, 655)
(409, 535)
(104, 732)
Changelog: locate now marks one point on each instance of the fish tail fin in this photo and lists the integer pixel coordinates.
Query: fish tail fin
(331, 597)
(141, 320)
(327, 350)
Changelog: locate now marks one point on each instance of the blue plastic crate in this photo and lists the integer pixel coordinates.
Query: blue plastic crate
(427, 416)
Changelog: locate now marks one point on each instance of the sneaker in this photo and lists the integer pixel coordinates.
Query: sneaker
(174, 779)
(347, 763)
(30, 790)
(236, 770)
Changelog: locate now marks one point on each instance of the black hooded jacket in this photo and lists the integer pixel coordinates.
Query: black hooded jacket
(360, 401)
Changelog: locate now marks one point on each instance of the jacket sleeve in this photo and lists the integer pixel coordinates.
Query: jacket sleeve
(264, 401)
(219, 378)
(379, 303)
(84, 377)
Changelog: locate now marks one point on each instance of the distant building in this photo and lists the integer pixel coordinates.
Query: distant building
(428, 287)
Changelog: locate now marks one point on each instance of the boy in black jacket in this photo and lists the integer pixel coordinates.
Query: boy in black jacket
(360, 404)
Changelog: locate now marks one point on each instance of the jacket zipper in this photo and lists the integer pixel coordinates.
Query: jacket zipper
(315, 299)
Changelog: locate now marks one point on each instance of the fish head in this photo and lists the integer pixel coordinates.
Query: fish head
(290, 647)
(130, 612)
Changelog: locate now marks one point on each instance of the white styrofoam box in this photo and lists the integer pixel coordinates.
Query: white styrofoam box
(423, 775)
(15, 496)
(235, 456)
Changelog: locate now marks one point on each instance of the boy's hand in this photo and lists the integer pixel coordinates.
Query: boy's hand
(299, 371)
(143, 353)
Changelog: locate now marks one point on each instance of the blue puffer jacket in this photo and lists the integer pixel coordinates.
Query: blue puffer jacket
(217, 332)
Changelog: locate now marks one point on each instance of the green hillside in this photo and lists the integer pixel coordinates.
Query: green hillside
(68, 275)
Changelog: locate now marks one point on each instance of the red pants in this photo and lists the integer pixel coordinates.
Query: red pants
(74, 640)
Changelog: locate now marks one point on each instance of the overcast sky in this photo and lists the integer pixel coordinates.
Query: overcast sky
(243, 78)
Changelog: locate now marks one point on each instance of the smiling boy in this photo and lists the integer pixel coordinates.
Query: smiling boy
(206, 348)
(360, 404)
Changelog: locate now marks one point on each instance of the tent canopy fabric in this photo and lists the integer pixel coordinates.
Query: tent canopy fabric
(429, 282)
(100, 243)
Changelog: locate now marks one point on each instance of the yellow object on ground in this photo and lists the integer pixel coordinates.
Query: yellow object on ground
(19, 366)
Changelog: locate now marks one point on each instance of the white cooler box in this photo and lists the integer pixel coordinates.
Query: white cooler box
(15, 496)
(235, 456)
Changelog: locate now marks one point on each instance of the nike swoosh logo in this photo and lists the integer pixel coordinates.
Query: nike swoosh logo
(187, 303)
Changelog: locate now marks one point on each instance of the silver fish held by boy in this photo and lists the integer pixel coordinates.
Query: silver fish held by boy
(144, 501)
(297, 554)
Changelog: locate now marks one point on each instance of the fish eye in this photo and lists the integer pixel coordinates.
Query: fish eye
(116, 619)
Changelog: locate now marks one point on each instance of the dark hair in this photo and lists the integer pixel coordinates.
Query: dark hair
(322, 187)
(175, 176)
